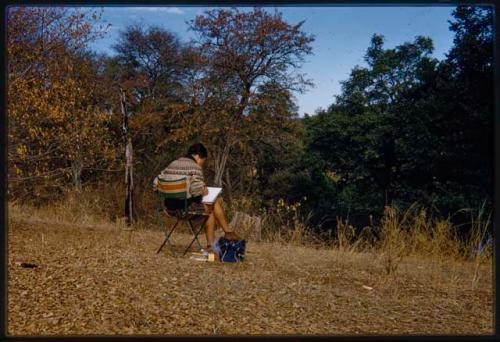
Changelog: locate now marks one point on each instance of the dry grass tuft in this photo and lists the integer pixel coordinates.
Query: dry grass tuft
(392, 243)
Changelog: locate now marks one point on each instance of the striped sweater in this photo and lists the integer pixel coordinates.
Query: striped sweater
(184, 167)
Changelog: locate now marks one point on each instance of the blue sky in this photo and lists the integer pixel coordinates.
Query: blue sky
(342, 36)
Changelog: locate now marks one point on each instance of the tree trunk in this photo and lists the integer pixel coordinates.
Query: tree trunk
(220, 164)
(251, 181)
(129, 181)
(124, 113)
(76, 170)
(229, 189)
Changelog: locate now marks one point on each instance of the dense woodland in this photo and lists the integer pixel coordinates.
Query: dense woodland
(407, 128)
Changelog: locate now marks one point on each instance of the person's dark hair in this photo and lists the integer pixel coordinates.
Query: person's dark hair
(198, 149)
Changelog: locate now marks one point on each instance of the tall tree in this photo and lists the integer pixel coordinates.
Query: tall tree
(471, 60)
(56, 128)
(244, 50)
(448, 119)
(151, 60)
(409, 128)
(362, 126)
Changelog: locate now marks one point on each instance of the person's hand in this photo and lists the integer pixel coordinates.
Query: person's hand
(205, 191)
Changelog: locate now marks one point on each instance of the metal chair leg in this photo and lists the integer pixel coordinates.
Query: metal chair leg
(195, 236)
(194, 233)
(167, 237)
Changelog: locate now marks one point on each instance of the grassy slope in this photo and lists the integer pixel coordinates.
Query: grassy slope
(98, 279)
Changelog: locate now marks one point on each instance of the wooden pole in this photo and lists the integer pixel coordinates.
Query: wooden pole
(129, 181)
(129, 168)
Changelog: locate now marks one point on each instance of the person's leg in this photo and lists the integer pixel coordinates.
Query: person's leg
(220, 216)
(210, 229)
(210, 234)
(217, 214)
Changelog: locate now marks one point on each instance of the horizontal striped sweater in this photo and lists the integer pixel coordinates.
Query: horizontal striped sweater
(184, 167)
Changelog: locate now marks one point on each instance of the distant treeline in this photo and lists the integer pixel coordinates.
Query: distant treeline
(406, 127)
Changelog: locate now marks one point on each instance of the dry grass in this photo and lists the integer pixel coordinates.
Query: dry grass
(95, 278)
(400, 234)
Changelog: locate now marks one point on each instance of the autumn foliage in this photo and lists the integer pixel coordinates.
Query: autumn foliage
(57, 128)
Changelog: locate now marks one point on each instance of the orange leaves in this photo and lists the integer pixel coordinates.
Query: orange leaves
(250, 54)
(51, 93)
(21, 151)
(144, 121)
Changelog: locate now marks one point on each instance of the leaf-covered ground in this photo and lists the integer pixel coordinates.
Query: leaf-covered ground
(105, 281)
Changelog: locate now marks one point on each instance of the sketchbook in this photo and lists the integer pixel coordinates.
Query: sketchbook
(213, 193)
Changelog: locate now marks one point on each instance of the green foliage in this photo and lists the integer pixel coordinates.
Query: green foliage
(408, 128)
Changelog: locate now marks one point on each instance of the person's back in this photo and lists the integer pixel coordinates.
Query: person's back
(186, 167)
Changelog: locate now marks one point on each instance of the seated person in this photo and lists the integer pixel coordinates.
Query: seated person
(190, 166)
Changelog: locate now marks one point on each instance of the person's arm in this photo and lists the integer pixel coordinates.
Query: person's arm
(155, 184)
(198, 187)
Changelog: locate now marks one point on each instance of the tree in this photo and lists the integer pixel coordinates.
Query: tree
(149, 67)
(408, 128)
(161, 82)
(274, 147)
(471, 61)
(358, 134)
(449, 145)
(151, 60)
(56, 127)
(244, 50)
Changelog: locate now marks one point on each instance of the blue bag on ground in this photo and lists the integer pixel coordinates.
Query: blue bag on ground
(230, 251)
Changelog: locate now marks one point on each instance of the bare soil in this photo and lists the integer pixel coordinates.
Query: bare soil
(102, 280)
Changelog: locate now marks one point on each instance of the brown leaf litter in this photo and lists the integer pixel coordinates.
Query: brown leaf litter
(107, 281)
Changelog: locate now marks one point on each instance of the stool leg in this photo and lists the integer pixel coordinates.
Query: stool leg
(195, 236)
(167, 237)
(194, 233)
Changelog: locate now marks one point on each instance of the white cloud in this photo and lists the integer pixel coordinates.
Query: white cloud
(171, 10)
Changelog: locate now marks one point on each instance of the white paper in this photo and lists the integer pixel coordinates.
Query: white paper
(212, 195)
